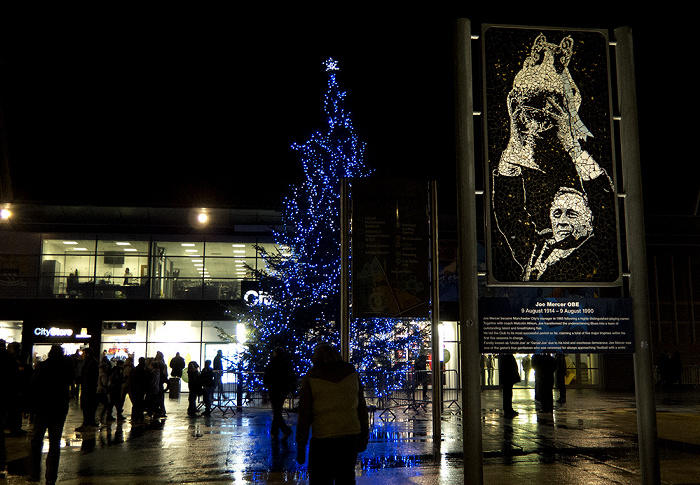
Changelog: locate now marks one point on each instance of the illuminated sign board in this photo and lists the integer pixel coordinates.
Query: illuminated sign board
(568, 325)
(254, 297)
(46, 333)
(53, 332)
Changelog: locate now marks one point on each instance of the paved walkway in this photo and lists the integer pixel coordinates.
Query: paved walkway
(591, 439)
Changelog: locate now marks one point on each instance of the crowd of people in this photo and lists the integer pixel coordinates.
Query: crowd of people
(333, 419)
(106, 384)
(43, 390)
(551, 371)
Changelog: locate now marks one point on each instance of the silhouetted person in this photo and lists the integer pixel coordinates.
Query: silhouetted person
(127, 277)
(116, 398)
(560, 377)
(104, 373)
(139, 380)
(162, 368)
(508, 375)
(128, 369)
(421, 376)
(77, 367)
(153, 391)
(88, 384)
(527, 367)
(545, 365)
(208, 383)
(331, 404)
(218, 368)
(489, 369)
(19, 376)
(177, 365)
(278, 380)
(50, 389)
(194, 383)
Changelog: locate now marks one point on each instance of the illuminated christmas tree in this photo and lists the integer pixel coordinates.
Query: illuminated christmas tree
(302, 279)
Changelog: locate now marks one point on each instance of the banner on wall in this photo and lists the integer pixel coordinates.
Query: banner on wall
(550, 158)
(568, 325)
(390, 248)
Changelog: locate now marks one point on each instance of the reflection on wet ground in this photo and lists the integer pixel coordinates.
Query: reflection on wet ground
(592, 438)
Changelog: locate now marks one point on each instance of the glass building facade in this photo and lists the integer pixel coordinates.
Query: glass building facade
(153, 267)
(144, 280)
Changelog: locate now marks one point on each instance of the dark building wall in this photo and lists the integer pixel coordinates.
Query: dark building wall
(673, 253)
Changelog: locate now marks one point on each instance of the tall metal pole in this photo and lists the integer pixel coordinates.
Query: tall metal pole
(344, 270)
(435, 320)
(637, 258)
(468, 279)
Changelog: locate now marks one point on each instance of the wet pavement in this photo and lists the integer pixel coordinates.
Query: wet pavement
(590, 439)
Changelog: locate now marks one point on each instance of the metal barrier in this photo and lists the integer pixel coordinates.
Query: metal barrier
(404, 390)
(690, 376)
(450, 391)
(237, 389)
(408, 391)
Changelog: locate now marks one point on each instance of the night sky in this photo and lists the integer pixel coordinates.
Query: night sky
(199, 107)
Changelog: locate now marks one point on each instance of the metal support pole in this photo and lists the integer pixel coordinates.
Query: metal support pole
(468, 279)
(239, 388)
(637, 259)
(435, 321)
(344, 270)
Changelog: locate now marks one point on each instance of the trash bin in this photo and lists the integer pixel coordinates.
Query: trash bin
(174, 385)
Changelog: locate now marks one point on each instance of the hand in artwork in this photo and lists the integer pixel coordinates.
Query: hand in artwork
(525, 126)
(565, 132)
(534, 115)
(588, 168)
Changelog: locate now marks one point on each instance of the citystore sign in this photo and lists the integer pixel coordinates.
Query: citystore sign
(255, 298)
(58, 334)
(53, 332)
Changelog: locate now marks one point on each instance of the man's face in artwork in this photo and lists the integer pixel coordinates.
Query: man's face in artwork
(570, 216)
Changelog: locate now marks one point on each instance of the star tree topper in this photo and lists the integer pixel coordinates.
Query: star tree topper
(331, 64)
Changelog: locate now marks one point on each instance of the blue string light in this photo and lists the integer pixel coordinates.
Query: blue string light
(304, 281)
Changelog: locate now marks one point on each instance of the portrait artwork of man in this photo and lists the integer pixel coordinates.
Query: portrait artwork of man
(553, 203)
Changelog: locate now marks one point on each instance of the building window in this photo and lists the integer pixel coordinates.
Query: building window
(123, 267)
(67, 268)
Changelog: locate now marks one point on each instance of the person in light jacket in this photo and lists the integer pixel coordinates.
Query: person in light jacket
(332, 405)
